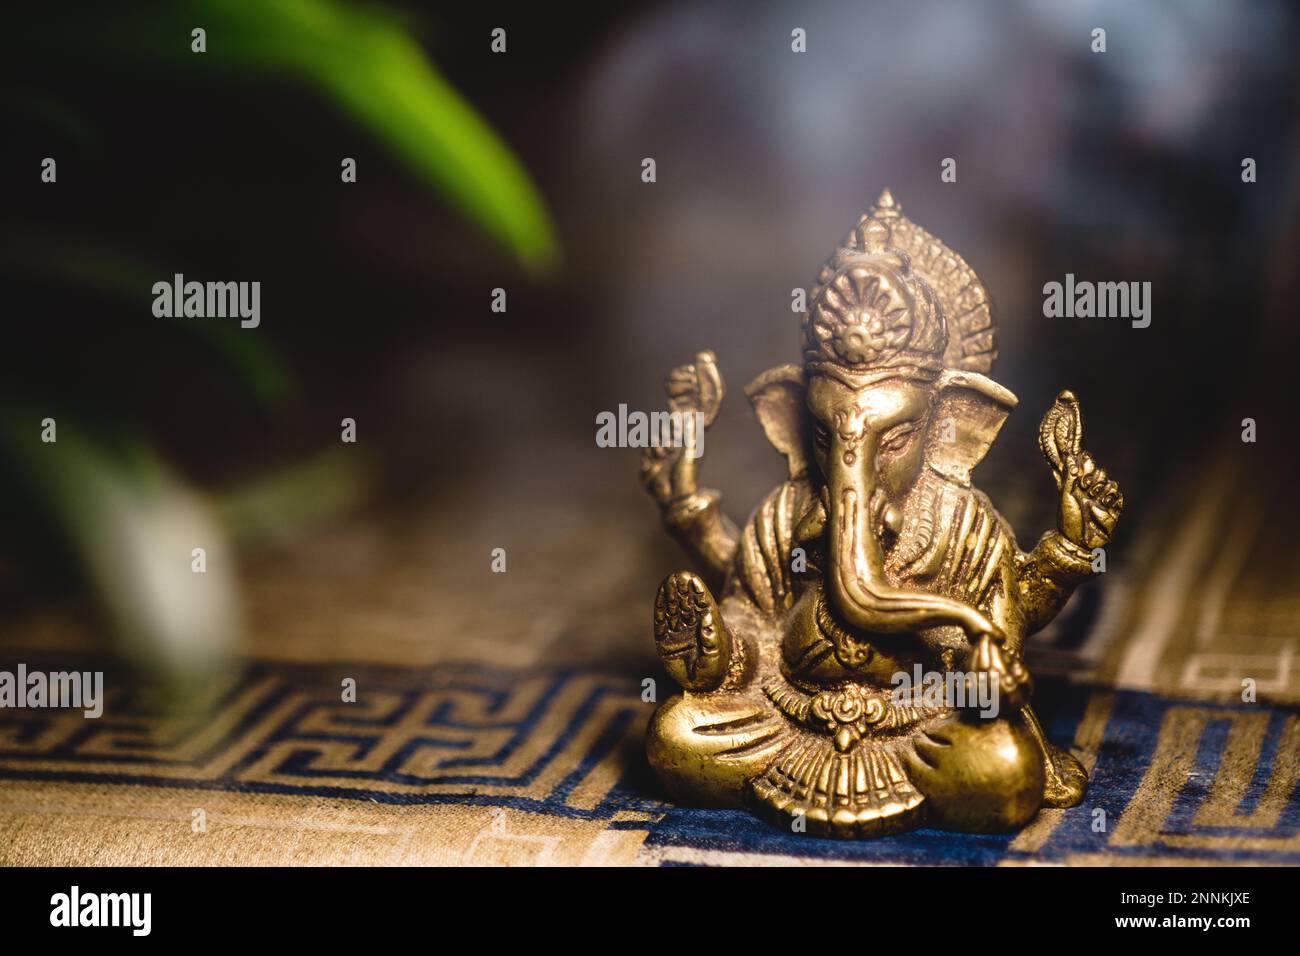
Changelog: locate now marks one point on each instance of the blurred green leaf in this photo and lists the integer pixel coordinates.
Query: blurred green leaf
(275, 506)
(57, 257)
(134, 524)
(365, 60)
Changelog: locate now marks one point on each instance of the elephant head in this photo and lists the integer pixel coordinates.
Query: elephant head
(879, 399)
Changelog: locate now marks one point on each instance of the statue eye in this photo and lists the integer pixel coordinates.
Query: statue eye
(898, 438)
(822, 437)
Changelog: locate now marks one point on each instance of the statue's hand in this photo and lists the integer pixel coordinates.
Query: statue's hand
(1003, 668)
(1090, 502)
(669, 472)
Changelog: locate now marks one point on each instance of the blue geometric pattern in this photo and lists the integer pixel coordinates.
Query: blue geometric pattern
(1178, 780)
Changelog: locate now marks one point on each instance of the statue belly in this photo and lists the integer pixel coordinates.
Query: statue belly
(816, 651)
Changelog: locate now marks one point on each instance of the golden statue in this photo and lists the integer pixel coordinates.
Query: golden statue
(861, 671)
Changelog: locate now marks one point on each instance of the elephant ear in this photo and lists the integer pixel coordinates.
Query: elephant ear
(970, 411)
(778, 399)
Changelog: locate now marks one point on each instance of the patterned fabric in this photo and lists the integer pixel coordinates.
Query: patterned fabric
(449, 760)
(464, 764)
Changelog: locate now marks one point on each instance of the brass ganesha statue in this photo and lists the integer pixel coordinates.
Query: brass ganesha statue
(876, 558)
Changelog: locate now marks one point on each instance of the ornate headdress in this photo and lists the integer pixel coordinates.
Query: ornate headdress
(894, 299)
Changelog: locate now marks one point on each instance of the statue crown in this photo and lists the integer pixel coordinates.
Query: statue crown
(893, 297)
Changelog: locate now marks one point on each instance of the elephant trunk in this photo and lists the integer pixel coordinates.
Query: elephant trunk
(859, 589)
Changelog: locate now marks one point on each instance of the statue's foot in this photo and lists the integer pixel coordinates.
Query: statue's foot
(978, 776)
(1066, 779)
(693, 642)
(706, 748)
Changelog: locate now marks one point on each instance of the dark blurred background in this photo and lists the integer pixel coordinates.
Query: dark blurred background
(522, 170)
